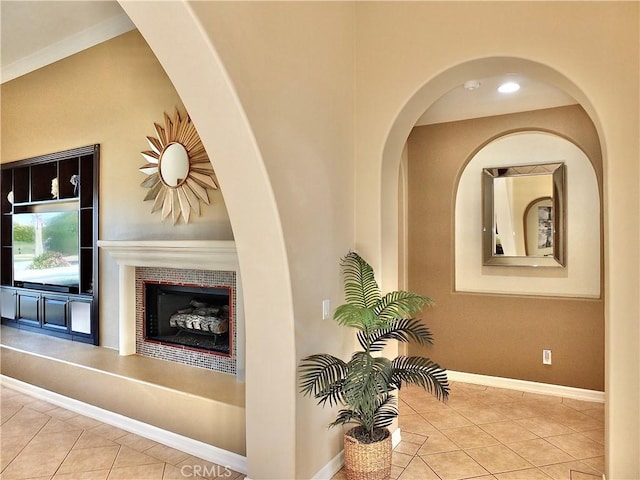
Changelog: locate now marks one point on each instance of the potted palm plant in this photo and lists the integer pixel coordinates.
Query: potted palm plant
(364, 385)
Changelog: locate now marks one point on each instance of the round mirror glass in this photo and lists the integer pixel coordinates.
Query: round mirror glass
(174, 165)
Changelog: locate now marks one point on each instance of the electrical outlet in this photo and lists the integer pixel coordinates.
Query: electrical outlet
(326, 309)
(546, 357)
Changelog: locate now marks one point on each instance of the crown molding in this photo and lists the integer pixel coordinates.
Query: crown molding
(71, 45)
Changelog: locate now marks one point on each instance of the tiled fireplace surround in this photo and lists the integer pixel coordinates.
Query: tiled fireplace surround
(202, 263)
(189, 356)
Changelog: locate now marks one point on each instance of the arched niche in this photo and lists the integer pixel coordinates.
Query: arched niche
(581, 275)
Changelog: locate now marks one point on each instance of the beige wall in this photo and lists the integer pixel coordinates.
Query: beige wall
(293, 75)
(110, 94)
(500, 335)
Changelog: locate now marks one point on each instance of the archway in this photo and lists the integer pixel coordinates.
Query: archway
(399, 131)
(171, 30)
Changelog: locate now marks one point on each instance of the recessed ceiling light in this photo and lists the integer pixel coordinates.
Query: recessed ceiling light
(509, 87)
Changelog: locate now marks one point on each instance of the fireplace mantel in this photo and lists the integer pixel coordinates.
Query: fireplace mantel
(179, 254)
(197, 254)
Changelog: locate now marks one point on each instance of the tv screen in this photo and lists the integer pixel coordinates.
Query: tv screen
(46, 248)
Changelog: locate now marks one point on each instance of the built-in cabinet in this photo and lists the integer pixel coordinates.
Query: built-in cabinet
(64, 182)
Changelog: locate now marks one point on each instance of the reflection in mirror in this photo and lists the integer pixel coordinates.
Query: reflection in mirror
(523, 212)
(174, 164)
(538, 228)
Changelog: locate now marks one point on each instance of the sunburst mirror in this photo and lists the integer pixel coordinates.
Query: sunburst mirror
(179, 171)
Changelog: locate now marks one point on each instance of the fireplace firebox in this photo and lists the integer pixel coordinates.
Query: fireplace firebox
(188, 316)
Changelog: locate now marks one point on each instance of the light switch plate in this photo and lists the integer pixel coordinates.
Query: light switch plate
(326, 309)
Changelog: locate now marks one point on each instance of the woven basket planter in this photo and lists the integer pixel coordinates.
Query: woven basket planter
(367, 461)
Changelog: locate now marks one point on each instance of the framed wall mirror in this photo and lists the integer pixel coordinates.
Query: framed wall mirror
(524, 215)
(179, 173)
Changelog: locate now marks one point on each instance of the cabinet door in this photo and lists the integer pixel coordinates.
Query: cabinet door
(54, 312)
(8, 303)
(80, 312)
(28, 308)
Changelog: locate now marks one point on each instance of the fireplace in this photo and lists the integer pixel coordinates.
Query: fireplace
(188, 316)
(167, 328)
(188, 264)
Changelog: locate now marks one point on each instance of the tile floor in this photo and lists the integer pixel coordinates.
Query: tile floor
(486, 433)
(481, 433)
(41, 441)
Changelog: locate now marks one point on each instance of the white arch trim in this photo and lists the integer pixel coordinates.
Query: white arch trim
(198, 74)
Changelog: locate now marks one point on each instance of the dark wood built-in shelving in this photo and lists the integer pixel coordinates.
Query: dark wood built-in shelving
(69, 312)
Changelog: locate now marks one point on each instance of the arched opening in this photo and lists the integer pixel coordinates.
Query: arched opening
(171, 31)
(391, 236)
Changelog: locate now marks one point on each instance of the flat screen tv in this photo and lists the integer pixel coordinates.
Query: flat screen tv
(46, 250)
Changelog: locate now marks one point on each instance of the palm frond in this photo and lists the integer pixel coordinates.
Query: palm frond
(401, 304)
(403, 330)
(360, 286)
(379, 414)
(367, 378)
(355, 316)
(322, 376)
(423, 372)
(386, 411)
(346, 415)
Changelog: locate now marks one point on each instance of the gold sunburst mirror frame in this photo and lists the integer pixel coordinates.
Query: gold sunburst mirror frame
(179, 171)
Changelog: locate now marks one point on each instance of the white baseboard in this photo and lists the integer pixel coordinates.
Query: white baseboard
(331, 468)
(396, 437)
(188, 445)
(527, 386)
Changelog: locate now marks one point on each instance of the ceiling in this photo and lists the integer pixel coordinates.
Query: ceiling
(485, 100)
(37, 33)
(34, 34)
